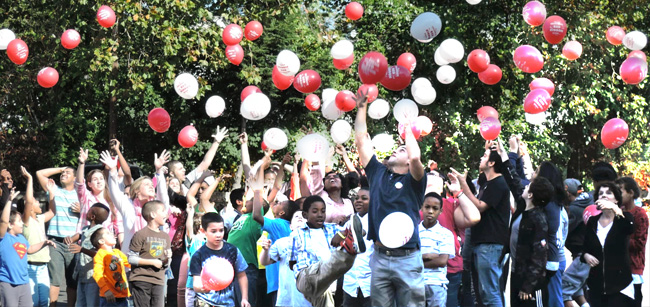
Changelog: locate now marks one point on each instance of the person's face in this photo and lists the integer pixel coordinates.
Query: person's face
(17, 225)
(214, 233)
(160, 215)
(37, 208)
(67, 176)
(97, 183)
(5, 177)
(297, 221)
(625, 195)
(175, 185)
(316, 214)
(108, 237)
(269, 178)
(485, 165)
(332, 182)
(399, 157)
(278, 208)
(524, 195)
(146, 189)
(362, 202)
(431, 209)
(606, 194)
(179, 172)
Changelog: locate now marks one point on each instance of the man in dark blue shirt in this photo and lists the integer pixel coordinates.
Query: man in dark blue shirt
(397, 187)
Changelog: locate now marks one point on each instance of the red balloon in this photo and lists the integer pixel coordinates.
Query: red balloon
(417, 132)
(345, 101)
(637, 54)
(354, 10)
(491, 76)
(307, 81)
(312, 102)
(614, 133)
(615, 35)
(235, 54)
(70, 39)
(490, 128)
(397, 78)
(372, 67)
(47, 77)
(633, 70)
(281, 81)
(537, 101)
(534, 13)
(232, 34)
(407, 60)
(17, 51)
(105, 16)
(478, 60)
(554, 29)
(528, 59)
(253, 30)
(485, 112)
(591, 210)
(342, 64)
(249, 90)
(572, 50)
(188, 136)
(159, 120)
(544, 84)
(217, 274)
(264, 147)
(372, 90)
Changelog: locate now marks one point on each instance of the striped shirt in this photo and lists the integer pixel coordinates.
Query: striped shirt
(311, 245)
(64, 222)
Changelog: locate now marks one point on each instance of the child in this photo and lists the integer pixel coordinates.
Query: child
(109, 272)
(317, 262)
(213, 228)
(437, 245)
(14, 279)
(149, 254)
(87, 289)
(356, 283)
(194, 240)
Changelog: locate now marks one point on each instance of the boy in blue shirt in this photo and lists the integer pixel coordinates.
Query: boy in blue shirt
(14, 279)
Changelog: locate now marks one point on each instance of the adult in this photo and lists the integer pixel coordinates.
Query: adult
(629, 192)
(397, 186)
(62, 225)
(333, 192)
(6, 180)
(356, 282)
(606, 250)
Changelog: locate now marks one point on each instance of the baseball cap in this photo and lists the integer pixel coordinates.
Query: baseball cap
(573, 186)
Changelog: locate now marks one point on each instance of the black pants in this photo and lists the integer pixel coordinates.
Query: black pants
(638, 296)
(359, 301)
(147, 294)
(610, 300)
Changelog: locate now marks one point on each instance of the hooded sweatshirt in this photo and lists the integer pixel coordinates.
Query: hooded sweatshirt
(576, 235)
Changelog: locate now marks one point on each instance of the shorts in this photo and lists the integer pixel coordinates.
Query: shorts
(61, 266)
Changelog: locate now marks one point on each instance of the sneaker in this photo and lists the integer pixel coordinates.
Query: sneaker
(353, 242)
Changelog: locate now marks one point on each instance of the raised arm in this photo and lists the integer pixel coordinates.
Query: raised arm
(196, 185)
(126, 169)
(340, 149)
(245, 157)
(44, 174)
(257, 184)
(265, 258)
(29, 196)
(219, 135)
(279, 178)
(364, 145)
(413, 150)
(6, 211)
(161, 189)
(120, 200)
(480, 205)
(466, 215)
(83, 156)
(51, 205)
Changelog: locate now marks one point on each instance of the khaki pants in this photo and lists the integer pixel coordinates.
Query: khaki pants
(314, 280)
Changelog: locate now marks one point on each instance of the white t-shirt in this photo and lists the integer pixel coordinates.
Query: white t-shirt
(288, 294)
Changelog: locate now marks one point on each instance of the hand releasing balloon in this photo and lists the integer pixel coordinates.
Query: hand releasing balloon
(47, 77)
(490, 128)
(159, 120)
(188, 136)
(614, 133)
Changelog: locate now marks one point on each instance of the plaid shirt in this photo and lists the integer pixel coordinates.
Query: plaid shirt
(305, 251)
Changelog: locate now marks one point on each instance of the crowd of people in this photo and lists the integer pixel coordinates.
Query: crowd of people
(313, 238)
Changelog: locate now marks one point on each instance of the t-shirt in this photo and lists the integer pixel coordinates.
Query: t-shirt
(288, 294)
(391, 192)
(64, 222)
(446, 219)
(244, 235)
(109, 272)
(13, 259)
(35, 233)
(277, 228)
(83, 271)
(193, 245)
(149, 244)
(493, 227)
(336, 213)
(225, 297)
(436, 240)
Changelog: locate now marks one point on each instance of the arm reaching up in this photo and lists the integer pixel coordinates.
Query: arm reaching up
(218, 136)
(413, 149)
(30, 201)
(245, 157)
(126, 169)
(364, 145)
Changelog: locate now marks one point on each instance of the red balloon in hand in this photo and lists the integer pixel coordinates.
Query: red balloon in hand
(253, 30)
(17, 51)
(105, 16)
(70, 39)
(47, 77)
(159, 120)
(345, 101)
(614, 133)
(217, 274)
(354, 10)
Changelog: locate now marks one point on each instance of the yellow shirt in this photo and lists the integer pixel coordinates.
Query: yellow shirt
(109, 273)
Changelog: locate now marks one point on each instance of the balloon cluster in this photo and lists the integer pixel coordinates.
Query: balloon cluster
(233, 34)
(490, 126)
(478, 61)
(634, 69)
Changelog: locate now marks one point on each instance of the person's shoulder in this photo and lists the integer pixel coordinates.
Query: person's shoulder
(441, 230)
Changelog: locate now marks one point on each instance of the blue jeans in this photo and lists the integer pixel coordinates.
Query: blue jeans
(453, 287)
(436, 295)
(39, 283)
(397, 280)
(119, 302)
(489, 269)
(555, 287)
(87, 293)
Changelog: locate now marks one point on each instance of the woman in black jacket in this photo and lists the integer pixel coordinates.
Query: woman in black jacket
(606, 250)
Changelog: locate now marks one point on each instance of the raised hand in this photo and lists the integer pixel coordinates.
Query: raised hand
(25, 173)
(460, 177)
(51, 186)
(243, 138)
(220, 134)
(361, 98)
(266, 244)
(286, 159)
(161, 160)
(340, 149)
(83, 155)
(105, 157)
(114, 144)
(454, 183)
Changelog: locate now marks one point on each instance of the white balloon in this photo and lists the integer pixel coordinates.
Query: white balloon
(405, 110)
(329, 94)
(536, 119)
(635, 40)
(255, 107)
(328, 104)
(396, 229)
(313, 147)
(383, 142)
(446, 74)
(378, 109)
(420, 83)
(215, 106)
(426, 27)
(437, 57)
(473, 2)
(452, 50)
(275, 139)
(342, 49)
(288, 63)
(425, 95)
(6, 36)
(186, 86)
(340, 131)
